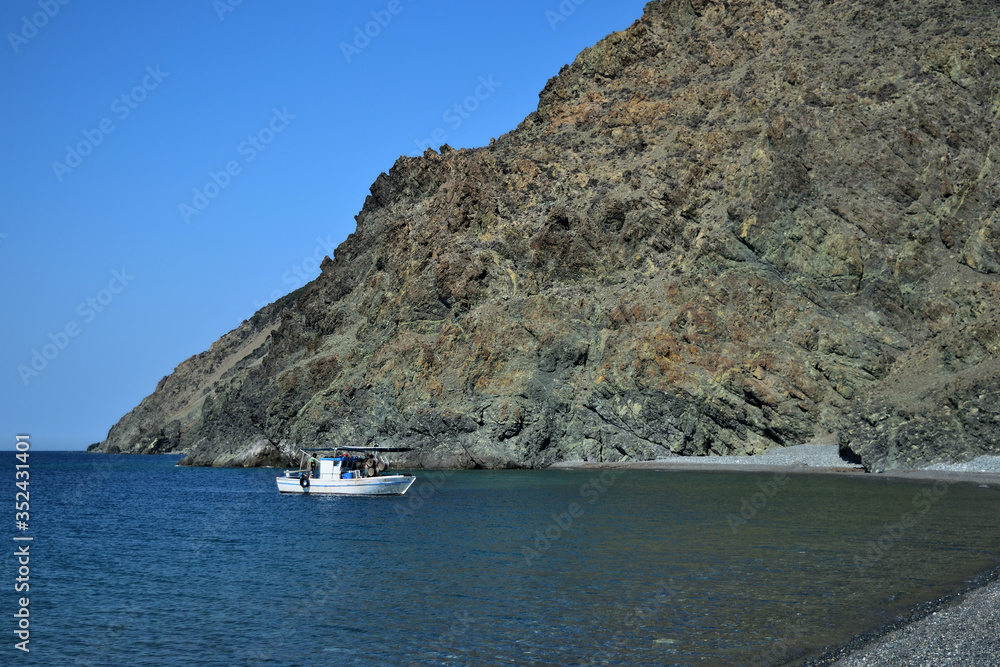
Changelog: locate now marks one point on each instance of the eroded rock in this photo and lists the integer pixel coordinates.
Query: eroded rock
(732, 225)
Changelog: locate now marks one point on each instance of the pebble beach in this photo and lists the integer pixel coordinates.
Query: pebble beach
(965, 631)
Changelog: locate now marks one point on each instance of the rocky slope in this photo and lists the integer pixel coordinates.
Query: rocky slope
(730, 226)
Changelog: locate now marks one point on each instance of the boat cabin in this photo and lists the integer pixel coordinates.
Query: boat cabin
(344, 466)
(337, 467)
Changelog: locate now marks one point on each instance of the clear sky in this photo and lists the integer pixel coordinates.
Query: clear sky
(169, 167)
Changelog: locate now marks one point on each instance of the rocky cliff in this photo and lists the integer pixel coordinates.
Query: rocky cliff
(733, 225)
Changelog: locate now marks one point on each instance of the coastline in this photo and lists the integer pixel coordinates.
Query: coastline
(812, 459)
(960, 628)
(991, 480)
(957, 628)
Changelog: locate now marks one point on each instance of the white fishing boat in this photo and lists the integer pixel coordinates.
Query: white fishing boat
(343, 473)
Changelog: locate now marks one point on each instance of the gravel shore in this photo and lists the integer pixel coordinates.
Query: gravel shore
(962, 630)
(815, 456)
(811, 458)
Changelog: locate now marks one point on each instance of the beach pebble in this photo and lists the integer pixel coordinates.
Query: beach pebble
(966, 634)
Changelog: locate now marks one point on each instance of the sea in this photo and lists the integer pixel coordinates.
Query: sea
(137, 561)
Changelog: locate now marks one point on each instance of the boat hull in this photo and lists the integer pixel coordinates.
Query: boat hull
(388, 485)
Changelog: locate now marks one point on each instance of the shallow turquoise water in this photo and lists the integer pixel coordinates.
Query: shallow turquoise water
(139, 562)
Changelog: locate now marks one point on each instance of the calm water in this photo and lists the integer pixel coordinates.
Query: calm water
(139, 562)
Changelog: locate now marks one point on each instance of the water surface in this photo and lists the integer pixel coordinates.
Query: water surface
(139, 562)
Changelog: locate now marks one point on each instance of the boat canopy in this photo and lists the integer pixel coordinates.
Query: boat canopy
(357, 449)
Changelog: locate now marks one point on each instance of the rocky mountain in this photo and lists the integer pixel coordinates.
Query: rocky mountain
(734, 225)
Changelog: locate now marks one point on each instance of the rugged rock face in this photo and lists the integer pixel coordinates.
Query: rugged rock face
(732, 226)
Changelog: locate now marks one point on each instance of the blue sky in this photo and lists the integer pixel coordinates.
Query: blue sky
(168, 168)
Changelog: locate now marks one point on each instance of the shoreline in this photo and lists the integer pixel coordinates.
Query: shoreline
(953, 629)
(961, 627)
(813, 459)
(991, 480)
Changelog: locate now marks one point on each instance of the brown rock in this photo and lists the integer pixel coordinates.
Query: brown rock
(731, 226)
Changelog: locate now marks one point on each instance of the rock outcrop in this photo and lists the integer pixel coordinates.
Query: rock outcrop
(734, 225)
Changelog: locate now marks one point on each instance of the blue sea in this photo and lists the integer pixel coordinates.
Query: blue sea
(136, 561)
